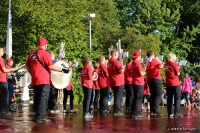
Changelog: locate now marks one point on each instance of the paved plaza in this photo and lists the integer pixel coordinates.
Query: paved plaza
(22, 121)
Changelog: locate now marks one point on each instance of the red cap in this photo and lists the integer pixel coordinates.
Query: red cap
(42, 41)
(136, 54)
(9, 60)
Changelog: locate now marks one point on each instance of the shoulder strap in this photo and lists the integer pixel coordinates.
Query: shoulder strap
(36, 54)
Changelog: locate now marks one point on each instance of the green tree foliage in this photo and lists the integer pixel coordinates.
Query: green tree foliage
(132, 41)
(162, 26)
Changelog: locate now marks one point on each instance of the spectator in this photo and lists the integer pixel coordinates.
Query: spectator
(187, 89)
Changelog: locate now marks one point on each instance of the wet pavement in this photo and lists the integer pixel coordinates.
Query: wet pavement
(22, 121)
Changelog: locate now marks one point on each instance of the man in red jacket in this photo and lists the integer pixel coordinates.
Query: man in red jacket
(116, 80)
(39, 64)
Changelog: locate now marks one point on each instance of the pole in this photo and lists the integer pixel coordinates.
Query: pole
(90, 23)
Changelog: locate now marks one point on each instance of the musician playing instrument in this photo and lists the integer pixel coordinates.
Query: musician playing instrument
(68, 91)
(53, 96)
(154, 80)
(39, 64)
(4, 100)
(138, 84)
(173, 86)
(9, 64)
(103, 84)
(116, 80)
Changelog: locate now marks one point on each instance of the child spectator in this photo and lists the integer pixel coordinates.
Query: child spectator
(187, 90)
(194, 99)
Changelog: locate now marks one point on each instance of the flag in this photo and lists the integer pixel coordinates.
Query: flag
(9, 33)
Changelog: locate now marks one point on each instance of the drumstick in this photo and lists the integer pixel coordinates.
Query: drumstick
(18, 65)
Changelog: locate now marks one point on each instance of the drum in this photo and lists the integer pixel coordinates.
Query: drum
(58, 79)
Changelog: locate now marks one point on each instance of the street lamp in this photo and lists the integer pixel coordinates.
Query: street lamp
(92, 15)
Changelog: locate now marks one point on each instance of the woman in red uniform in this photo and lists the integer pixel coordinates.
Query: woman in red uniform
(154, 80)
(103, 84)
(4, 103)
(173, 86)
(95, 86)
(138, 84)
(128, 85)
(86, 82)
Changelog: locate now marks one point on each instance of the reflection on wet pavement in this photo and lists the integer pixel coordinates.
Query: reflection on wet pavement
(22, 121)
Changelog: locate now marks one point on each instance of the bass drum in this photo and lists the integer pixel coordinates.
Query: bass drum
(58, 79)
(24, 81)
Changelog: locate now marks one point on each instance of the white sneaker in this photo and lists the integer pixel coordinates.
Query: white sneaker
(54, 111)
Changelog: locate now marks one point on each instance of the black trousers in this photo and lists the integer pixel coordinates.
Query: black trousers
(118, 93)
(155, 86)
(41, 96)
(176, 92)
(71, 96)
(129, 95)
(10, 90)
(87, 97)
(96, 98)
(4, 97)
(137, 99)
(53, 98)
(103, 101)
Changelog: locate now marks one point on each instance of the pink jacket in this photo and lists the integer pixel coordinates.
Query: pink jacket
(187, 86)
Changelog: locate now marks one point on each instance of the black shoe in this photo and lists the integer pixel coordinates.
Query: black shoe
(128, 110)
(178, 116)
(74, 113)
(43, 120)
(96, 109)
(158, 114)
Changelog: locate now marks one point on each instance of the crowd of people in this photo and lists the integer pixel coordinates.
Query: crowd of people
(140, 81)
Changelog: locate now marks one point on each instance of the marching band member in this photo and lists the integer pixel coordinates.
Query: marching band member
(39, 64)
(9, 65)
(138, 84)
(4, 100)
(173, 86)
(86, 82)
(95, 86)
(154, 80)
(116, 80)
(128, 85)
(68, 91)
(53, 96)
(103, 83)
(146, 95)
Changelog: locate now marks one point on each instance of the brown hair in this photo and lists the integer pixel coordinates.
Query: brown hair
(96, 65)
(150, 53)
(86, 60)
(113, 52)
(101, 58)
(65, 60)
(129, 60)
